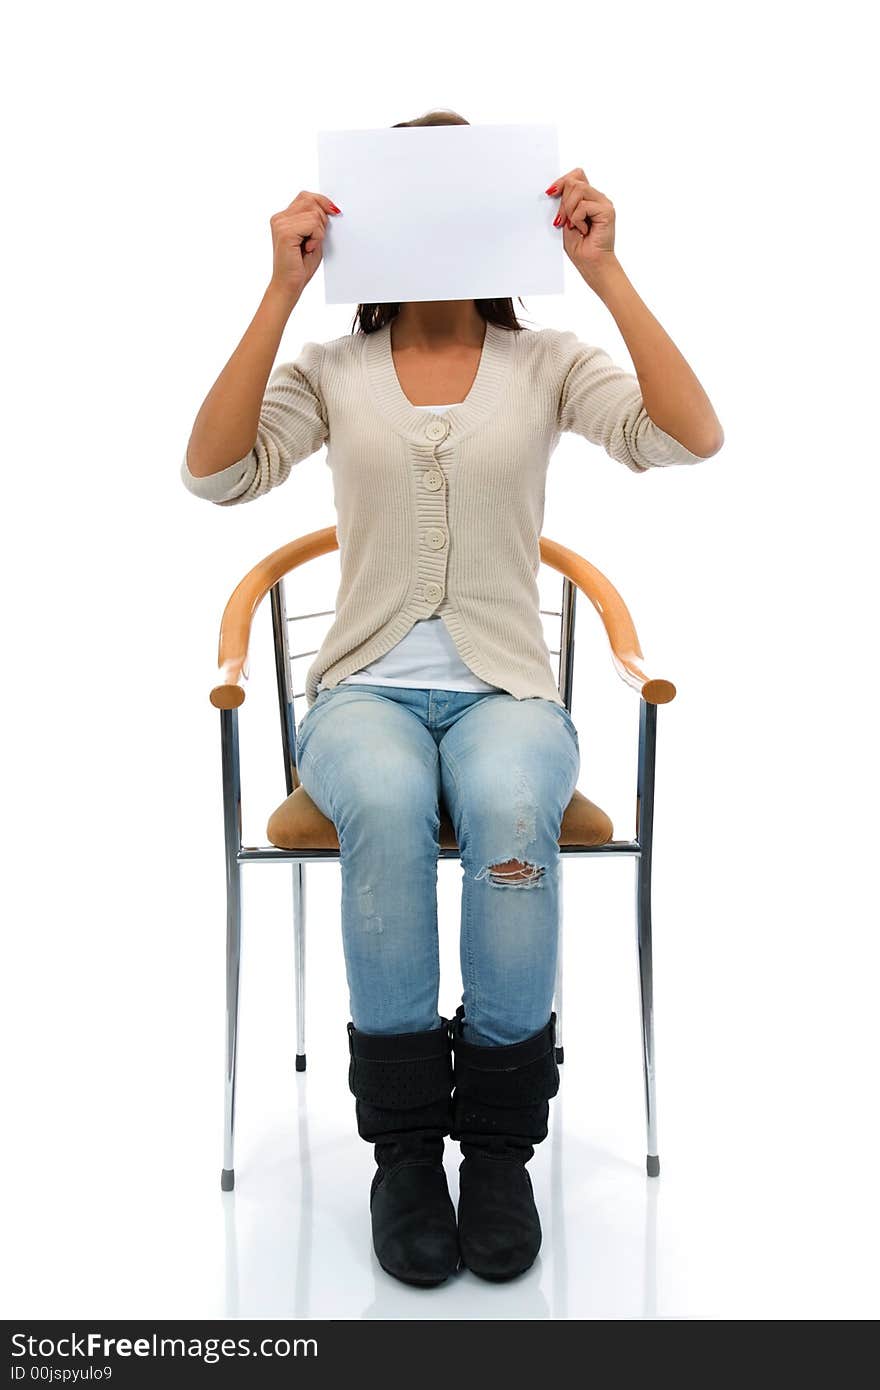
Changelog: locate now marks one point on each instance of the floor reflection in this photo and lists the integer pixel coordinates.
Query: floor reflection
(597, 1210)
(652, 1198)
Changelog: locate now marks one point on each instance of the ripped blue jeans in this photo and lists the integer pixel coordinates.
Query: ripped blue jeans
(376, 759)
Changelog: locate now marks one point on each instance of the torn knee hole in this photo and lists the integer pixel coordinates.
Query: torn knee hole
(512, 871)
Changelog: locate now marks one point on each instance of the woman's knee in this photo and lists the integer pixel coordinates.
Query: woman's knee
(510, 837)
(508, 780)
(512, 873)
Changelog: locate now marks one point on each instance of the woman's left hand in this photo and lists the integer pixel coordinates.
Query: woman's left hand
(587, 220)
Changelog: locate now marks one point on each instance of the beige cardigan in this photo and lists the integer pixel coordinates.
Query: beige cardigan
(441, 513)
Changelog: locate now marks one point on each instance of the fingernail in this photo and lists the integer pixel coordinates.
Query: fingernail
(335, 208)
(551, 189)
(557, 221)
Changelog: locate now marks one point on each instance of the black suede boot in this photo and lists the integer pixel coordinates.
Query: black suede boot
(403, 1083)
(500, 1111)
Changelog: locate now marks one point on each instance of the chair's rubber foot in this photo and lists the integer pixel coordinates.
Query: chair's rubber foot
(300, 1061)
(227, 1179)
(653, 1166)
(560, 1054)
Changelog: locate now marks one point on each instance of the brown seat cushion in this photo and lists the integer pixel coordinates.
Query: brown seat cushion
(298, 824)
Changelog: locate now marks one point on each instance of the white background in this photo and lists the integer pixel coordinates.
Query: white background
(146, 151)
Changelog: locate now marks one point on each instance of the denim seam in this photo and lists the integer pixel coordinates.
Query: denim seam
(305, 758)
(562, 713)
(466, 891)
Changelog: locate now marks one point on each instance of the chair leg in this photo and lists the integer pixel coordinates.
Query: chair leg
(299, 960)
(232, 844)
(233, 975)
(557, 994)
(645, 836)
(646, 991)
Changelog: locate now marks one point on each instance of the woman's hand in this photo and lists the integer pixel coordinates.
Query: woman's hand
(297, 240)
(587, 220)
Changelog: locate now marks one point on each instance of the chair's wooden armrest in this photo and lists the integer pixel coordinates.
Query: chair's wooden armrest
(238, 615)
(625, 650)
(235, 626)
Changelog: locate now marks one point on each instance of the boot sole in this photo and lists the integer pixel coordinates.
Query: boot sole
(499, 1278)
(417, 1283)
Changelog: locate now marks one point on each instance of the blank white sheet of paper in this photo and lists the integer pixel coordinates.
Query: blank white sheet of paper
(440, 212)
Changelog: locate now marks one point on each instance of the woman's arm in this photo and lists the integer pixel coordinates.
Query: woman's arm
(221, 444)
(673, 396)
(293, 423)
(226, 425)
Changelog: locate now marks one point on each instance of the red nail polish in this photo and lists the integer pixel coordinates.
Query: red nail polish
(551, 189)
(557, 221)
(335, 208)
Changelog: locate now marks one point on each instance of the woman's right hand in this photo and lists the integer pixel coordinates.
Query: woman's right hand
(297, 240)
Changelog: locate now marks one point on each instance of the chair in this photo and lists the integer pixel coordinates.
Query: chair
(299, 834)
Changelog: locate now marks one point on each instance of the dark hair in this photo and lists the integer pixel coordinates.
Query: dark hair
(369, 318)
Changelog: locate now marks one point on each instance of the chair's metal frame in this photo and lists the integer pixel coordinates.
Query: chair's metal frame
(268, 577)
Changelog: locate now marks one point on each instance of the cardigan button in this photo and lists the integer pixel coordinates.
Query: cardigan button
(437, 429)
(433, 592)
(433, 479)
(435, 538)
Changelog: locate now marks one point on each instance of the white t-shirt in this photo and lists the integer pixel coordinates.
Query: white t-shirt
(426, 658)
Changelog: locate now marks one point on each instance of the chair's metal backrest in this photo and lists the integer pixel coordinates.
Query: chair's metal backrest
(286, 679)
